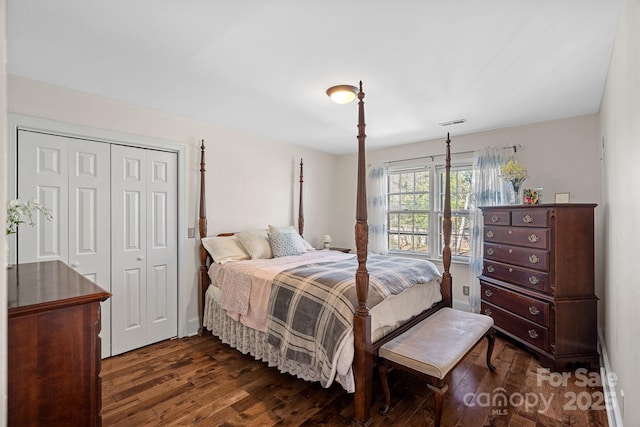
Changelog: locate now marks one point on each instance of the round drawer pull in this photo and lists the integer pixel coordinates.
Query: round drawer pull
(490, 234)
(487, 312)
(533, 238)
(488, 292)
(491, 251)
(510, 251)
(534, 310)
(533, 259)
(534, 280)
(510, 270)
(495, 218)
(527, 219)
(491, 269)
(510, 232)
(533, 333)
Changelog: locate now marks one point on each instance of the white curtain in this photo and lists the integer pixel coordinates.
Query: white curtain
(377, 208)
(487, 189)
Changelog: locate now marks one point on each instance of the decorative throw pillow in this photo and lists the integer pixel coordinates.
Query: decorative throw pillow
(284, 244)
(302, 244)
(256, 243)
(224, 249)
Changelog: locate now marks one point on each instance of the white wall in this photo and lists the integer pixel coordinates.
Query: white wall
(620, 124)
(560, 155)
(3, 203)
(251, 181)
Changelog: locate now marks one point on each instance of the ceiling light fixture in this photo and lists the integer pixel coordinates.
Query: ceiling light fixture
(342, 94)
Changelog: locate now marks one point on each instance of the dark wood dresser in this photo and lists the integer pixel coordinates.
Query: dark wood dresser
(53, 346)
(538, 280)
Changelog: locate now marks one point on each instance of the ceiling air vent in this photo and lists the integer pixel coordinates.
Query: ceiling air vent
(453, 122)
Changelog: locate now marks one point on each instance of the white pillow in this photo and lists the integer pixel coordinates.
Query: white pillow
(256, 243)
(302, 244)
(224, 249)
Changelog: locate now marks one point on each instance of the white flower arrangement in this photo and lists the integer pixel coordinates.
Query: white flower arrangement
(514, 172)
(21, 212)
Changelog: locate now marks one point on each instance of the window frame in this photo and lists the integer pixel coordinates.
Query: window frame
(436, 168)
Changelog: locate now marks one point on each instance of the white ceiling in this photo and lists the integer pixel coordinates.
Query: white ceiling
(263, 66)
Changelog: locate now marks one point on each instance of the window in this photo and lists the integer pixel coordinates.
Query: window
(414, 217)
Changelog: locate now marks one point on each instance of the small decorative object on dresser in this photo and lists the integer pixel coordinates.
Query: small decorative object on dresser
(562, 198)
(538, 280)
(326, 241)
(532, 196)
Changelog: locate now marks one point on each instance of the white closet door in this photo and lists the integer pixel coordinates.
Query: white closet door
(89, 220)
(43, 175)
(162, 241)
(71, 177)
(144, 247)
(129, 248)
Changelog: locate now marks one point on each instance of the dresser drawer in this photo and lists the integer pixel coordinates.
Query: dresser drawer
(530, 217)
(524, 329)
(517, 275)
(524, 306)
(497, 218)
(532, 238)
(523, 257)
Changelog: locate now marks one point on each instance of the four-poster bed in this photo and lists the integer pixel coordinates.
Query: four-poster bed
(365, 345)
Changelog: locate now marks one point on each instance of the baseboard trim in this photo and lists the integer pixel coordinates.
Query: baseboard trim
(614, 413)
(461, 305)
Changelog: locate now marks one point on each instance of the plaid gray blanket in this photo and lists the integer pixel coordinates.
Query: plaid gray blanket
(311, 307)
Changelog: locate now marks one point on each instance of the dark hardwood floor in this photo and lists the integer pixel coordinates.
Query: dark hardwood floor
(199, 381)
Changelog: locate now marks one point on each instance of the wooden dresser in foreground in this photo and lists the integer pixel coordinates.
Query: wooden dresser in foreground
(53, 346)
(538, 280)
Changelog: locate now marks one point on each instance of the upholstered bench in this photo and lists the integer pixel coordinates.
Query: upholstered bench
(433, 347)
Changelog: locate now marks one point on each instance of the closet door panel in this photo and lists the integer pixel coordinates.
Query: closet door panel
(162, 271)
(89, 220)
(43, 175)
(129, 248)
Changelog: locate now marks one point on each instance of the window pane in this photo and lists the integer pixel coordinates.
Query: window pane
(393, 242)
(422, 202)
(407, 202)
(394, 183)
(393, 223)
(421, 223)
(406, 242)
(409, 210)
(406, 182)
(421, 243)
(406, 222)
(394, 202)
(422, 181)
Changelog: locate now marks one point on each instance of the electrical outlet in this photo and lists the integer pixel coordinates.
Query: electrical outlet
(191, 232)
(465, 290)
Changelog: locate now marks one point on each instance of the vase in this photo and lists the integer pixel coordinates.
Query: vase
(516, 192)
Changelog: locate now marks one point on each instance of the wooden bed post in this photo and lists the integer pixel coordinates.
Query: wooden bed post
(447, 281)
(362, 363)
(300, 210)
(203, 279)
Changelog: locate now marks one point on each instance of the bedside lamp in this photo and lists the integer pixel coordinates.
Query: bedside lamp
(326, 239)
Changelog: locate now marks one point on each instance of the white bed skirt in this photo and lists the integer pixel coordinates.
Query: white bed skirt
(250, 341)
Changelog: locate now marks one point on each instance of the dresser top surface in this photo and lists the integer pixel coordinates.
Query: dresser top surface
(541, 206)
(39, 286)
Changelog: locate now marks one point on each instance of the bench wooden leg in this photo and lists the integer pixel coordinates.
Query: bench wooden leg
(384, 372)
(438, 392)
(491, 338)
